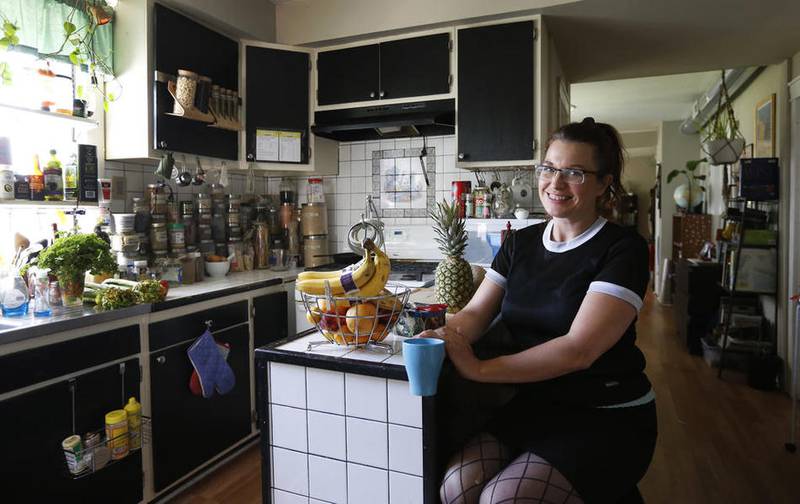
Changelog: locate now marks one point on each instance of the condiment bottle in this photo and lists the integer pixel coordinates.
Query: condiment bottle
(71, 179)
(53, 181)
(36, 181)
(117, 433)
(134, 412)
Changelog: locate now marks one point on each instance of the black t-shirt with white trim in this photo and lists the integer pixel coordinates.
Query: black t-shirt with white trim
(545, 283)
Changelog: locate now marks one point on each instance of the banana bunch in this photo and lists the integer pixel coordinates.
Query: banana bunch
(365, 278)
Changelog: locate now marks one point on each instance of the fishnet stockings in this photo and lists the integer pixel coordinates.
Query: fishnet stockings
(527, 479)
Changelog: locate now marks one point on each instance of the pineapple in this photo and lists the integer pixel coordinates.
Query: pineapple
(453, 274)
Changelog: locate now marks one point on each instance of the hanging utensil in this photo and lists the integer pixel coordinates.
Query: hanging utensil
(199, 174)
(370, 226)
(422, 154)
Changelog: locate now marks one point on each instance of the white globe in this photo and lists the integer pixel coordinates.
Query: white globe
(681, 196)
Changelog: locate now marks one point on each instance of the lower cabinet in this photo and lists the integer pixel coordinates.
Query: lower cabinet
(35, 423)
(188, 430)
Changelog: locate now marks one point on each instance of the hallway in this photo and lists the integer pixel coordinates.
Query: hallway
(719, 441)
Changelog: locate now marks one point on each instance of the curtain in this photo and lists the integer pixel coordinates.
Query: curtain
(41, 27)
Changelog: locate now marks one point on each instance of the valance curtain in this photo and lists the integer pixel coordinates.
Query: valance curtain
(41, 27)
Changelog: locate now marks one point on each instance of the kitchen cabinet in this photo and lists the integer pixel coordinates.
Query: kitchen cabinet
(37, 421)
(270, 318)
(401, 68)
(348, 75)
(496, 90)
(181, 43)
(189, 430)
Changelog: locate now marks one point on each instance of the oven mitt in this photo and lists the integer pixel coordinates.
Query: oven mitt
(194, 381)
(213, 371)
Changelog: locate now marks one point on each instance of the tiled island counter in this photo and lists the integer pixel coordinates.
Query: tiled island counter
(338, 425)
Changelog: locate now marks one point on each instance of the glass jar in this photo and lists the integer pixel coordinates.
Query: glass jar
(141, 212)
(173, 212)
(287, 189)
(187, 207)
(204, 232)
(314, 191)
(190, 229)
(218, 227)
(157, 196)
(234, 203)
(177, 236)
(236, 251)
(221, 249)
(203, 203)
(158, 237)
(261, 245)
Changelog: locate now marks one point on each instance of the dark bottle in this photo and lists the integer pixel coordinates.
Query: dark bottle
(36, 181)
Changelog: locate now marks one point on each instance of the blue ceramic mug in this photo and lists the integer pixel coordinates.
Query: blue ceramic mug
(423, 359)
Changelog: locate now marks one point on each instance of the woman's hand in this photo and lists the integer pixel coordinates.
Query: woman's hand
(459, 349)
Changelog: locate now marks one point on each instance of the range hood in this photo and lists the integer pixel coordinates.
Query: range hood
(424, 118)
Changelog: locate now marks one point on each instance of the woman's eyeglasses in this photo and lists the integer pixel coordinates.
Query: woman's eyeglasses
(572, 176)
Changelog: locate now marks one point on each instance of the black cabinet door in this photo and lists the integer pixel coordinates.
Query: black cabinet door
(35, 424)
(416, 66)
(277, 87)
(188, 430)
(180, 43)
(495, 92)
(348, 75)
(271, 319)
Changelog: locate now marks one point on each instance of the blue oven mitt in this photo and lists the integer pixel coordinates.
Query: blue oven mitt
(211, 367)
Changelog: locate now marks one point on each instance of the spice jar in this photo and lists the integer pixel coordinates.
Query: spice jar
(141, 212)
(234, 203)
(314, 191)
(187, 207)
(261, 245)
(203, 203)
(233, 219)
(158, 237)
(190, 229)
(177, 237)
(204, 232)
(235, 252)
(157, 196)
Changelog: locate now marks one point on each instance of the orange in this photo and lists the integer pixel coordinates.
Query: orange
(361, 318)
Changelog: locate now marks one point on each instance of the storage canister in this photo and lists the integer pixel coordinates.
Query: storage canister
(158, 237)
(204, 232)
(141, 212)
(221, 249)
(117, 433)
(314, 246)
(314, 191)
(203, 203)
(206, 246)
(177, 237)
(261, 245)
(185, 90)
(314, 219)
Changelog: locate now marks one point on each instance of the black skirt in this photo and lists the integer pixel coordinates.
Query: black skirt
(603, 452)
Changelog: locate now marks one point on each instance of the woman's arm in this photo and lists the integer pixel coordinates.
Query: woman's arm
(601, 321)
(473, 320)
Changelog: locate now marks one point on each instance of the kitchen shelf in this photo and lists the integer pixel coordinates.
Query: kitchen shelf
(49, 204)
(84, 123)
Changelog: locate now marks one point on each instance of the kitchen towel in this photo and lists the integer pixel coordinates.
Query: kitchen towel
(212, 369)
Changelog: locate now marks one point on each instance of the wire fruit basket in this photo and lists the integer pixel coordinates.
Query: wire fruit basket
(356, 321)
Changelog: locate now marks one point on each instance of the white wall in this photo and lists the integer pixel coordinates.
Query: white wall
(674, 149)
(240, 18)
(311, 22)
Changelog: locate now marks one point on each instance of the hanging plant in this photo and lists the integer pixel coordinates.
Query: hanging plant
(722, 140)
(79, 30)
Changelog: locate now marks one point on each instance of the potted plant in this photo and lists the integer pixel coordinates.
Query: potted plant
(70, 257)
(684, 196)
(722, 141)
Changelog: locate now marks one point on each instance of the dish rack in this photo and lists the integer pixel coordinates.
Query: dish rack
(90, 459)
(371, 322)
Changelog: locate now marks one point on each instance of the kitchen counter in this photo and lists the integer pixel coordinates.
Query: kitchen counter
(14, 329)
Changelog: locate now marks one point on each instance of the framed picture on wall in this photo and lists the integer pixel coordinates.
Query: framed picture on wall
(765, 127)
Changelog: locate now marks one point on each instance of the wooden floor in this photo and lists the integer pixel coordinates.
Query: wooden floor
(719, 441)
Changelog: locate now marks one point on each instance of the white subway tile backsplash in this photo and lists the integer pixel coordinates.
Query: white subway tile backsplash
(365, 396)
(325, 390)
(387, 144)
(361, 168)
(344, 168)
(370, 148)
(344, 152)
(358, 151)
(289, 428)
(438, 145)
(290, 471)
(342, 200)
(405, 449)
(358, 185)
(367, 485)
(326, 435)
(402, 143)
(327, 479)
(449, 145)
(287, 384)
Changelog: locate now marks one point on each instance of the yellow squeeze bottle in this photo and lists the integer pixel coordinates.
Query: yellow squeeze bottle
(134, 411)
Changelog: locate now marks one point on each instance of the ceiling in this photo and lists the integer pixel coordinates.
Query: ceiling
(618, 39)
(640, 104)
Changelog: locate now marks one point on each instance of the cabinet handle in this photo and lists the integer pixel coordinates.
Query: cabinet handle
(162, 144)
(161, 359)
(372, 94)
(382, 94)
(461, 155)
(250, 157)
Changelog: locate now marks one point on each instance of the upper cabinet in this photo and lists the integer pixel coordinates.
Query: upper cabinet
(181, 43)
(348, 75)
(496, 89)
(399, 68)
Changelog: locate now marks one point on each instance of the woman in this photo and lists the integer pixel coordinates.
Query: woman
(582, 426)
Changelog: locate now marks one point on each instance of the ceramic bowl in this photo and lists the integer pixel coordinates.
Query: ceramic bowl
(217, 269)
(521, 213)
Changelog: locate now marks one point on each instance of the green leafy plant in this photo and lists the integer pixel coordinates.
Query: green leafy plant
(70, 257)
(689, 173)
(723, 125)
(9, 39)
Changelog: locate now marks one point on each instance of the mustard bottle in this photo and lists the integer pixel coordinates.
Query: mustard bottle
(134, 411)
